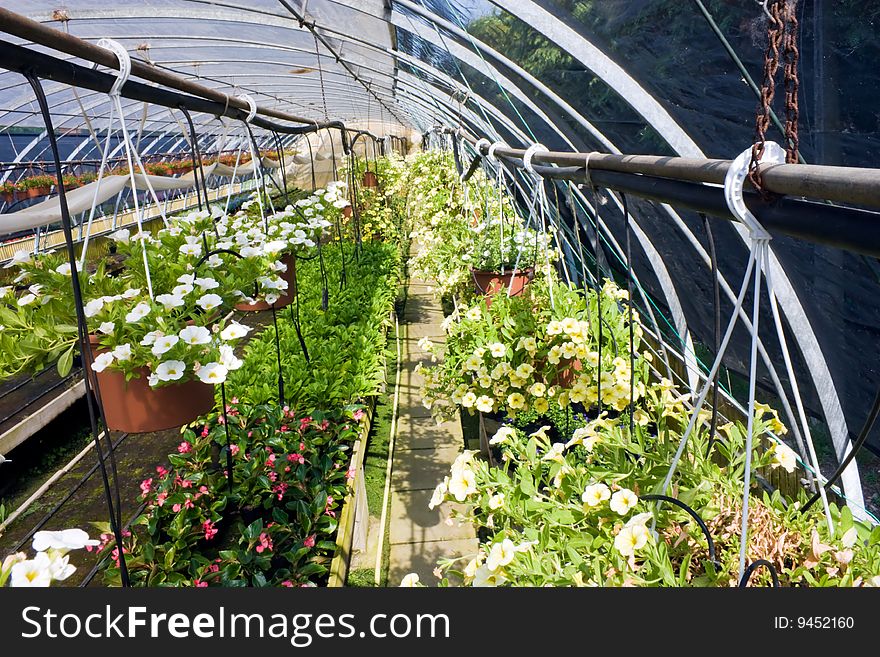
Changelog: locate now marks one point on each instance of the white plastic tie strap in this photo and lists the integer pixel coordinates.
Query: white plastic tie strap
(252, 107)
(588, 178)
(530, 153)
(124, 60)
(480, 143)
(735, 180)
(494, 147)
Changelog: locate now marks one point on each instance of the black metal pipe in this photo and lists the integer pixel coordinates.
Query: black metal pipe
(851, 229)
(22, 60)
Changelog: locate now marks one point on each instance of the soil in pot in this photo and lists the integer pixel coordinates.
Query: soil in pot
(135, 407)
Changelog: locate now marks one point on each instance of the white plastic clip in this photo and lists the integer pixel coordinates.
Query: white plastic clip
(252, 107)
(493, 148)
(735, 179)
(480, 143)
(530, 153)
(588, 179)
(124, 63)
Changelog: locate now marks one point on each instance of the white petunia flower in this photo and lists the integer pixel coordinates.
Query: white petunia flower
(122, 352)
(170, 370)
(65, 539)
(631, 539)
(194, 250)
(410, 581)
(63, 269)
(31, 573)
(193, 335)
(212, 373)
(595, 494)
(497, 349)
(163, 344)
(209, 301)
(234, 331)
(27, 299)
(20, 258)
(182, 290)
(500, 555)
(623, 500)
(131, 293)
(206, 283)
(123, 235)
(462, 483)
(228, 358)
(138, 313)
(102, 361)
(502, 435)
(170, 301)
(106, 328)
(93, 307)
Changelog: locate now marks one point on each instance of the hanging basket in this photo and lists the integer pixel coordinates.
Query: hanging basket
(370, 179)
(135, 407)
(568, 372)
(285, 299)
(489, 283)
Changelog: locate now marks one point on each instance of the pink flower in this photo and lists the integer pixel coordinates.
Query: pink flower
(234, 449)
(265, 543)
(184, 447)
(176, 508)
(160, 498)
(304, 423)
(272, 475)
(284, 428)
(324, 425)
(280, 489)
(302, 447)
(146, 486)
(287, 583)
(205, 431)
(161, 471)
(188, 504)
(183, 483)
(199, 584)
(213, 568)
(358, 414)
(309, 541)
(351, 472)
(235, 400)
(210, 529)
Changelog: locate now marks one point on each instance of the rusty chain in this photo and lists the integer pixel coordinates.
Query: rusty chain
(781, 42)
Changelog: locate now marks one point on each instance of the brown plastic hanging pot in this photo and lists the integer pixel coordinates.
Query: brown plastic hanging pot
(370, 179)
(490, 283)
(135, 407)
(286, 298)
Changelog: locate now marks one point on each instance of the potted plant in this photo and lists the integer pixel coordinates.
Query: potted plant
(8, 192)
(36, 186)
(158, 169)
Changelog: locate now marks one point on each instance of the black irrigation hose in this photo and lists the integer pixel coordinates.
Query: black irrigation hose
(94, 571)
(747, 575)
(197, 160)
(229, 470)
(598, 276)
(55, 509)
(278, 356)
(472, 169)
(632, 355)
(82, 322)
(693, 514)
(296, 324)
(854, 449)
(716, 310)
(280, 146)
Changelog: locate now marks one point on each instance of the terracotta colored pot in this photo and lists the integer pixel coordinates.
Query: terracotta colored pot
(489, 283)
(9, 197)
(135, 407)
(347, 212)
(285, 299)
(370, 179)
(565, 378)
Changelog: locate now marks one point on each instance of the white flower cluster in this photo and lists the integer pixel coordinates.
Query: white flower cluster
(51, 562)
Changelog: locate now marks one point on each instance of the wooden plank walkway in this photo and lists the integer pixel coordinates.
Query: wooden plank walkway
(423, 455)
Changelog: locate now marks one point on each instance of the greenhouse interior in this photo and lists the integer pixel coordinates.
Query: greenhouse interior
(439, 293)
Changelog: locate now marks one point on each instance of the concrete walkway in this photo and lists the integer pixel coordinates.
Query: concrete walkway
(423, 454)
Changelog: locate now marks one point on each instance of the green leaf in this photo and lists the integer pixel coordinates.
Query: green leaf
(65, 362)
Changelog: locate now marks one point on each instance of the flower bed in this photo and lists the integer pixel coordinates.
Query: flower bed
(577, 497)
